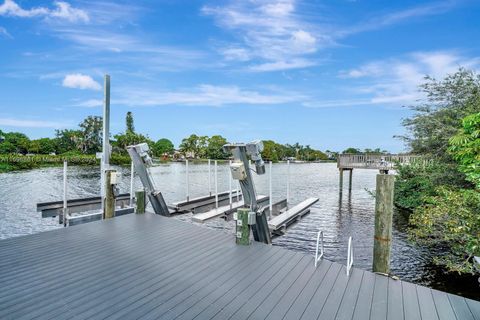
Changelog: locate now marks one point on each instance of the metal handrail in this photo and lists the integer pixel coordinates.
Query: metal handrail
(349, 256)
(319, 243)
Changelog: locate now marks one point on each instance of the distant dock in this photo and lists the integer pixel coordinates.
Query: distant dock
(145, 266)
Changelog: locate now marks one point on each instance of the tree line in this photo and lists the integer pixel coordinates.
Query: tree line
(87, 140)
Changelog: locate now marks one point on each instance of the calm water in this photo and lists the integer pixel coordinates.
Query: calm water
(339, 217)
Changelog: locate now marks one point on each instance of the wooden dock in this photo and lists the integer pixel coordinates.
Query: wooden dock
(147, 266)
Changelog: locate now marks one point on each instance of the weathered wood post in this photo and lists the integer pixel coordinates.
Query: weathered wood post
(140, 196)
(110, 181)
(341, 180)
(382, 242)
(242, 226)
(350, 180)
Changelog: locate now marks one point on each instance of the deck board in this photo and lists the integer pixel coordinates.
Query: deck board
(153, 267)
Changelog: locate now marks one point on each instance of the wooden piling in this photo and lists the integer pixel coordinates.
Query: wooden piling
(350, 180)
(242, 227)
(109, 208)
(140, 206)
(382, 242)
(341, 180)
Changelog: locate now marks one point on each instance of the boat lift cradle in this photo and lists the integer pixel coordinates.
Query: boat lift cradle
(240, 169)
(142, 161)
(263, 229)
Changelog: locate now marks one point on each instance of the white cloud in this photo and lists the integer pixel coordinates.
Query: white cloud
(80, 81)
(65, 11)
(62, 11)
(271, 34)
(400, 16)
(92, 103)
(4, 33)
(202, 95)
(11, 122)
(395, 81)
(283, 65)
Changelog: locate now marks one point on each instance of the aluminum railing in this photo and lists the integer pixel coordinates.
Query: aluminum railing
(319, 244)
(349, 256)
(319, 252)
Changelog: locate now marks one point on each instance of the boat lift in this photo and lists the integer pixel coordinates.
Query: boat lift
(142, 161)
(263, 228)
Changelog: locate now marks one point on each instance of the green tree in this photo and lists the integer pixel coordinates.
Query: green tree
(375, 151)
(190, 145)
(129, 137)
(202, 147)
(91, 140)
(215, 147)
(42, 146)
(7, 147)
(351, 150)
(19, 140)
(435, 121)
(162, 147)
(438, 118)
(269, 152)
(129, 123)
(465, 148)
(68, 140)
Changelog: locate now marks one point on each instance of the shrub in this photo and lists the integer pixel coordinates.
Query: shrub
(419, 180)
(449, 220)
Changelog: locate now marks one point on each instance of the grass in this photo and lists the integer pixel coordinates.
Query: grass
(13, 162)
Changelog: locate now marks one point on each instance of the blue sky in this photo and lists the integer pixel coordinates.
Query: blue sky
(331, 74)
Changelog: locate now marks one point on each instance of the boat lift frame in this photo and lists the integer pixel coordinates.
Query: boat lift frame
(141, 161)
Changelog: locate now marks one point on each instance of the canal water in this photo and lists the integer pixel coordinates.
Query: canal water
(340, 217)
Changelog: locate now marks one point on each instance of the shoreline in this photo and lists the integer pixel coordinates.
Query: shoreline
(14, 162)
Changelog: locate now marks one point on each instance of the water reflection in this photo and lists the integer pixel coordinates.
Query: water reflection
(339, 215)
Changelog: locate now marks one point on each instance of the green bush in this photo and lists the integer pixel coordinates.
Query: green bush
(120, 159)
(465, 148)
(449, 220)
(419, 180)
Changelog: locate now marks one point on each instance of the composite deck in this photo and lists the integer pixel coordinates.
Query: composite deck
(152, 267)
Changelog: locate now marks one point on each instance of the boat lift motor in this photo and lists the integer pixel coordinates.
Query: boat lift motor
(142, 161)
(240, 169)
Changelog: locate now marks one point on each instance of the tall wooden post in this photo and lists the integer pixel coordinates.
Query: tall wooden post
(140, 196)
(242, 227)
(109, 207)
(350, 180)
(382, 242)
(341, 180)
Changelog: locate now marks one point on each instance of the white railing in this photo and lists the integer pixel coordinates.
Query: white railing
(349, 256)
(319, 245)
(375, 161)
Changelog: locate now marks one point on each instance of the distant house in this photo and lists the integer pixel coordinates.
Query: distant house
(179, 155)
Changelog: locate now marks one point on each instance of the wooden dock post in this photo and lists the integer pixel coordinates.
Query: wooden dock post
(350, 180)
(109, 207)
(382, 242)
(341, 180)
(140, 206)
(242, 227)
